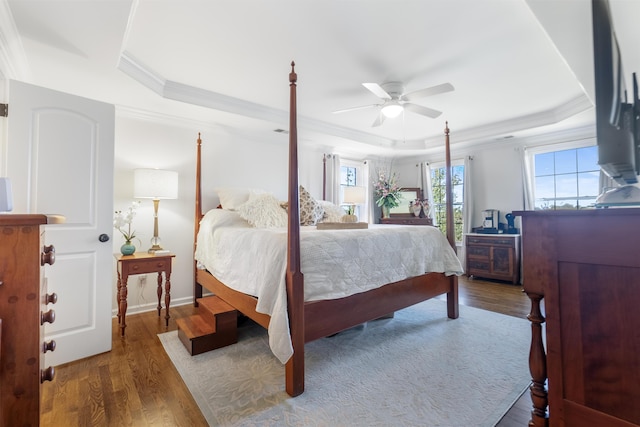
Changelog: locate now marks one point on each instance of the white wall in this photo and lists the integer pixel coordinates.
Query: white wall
(497, 182)
(228, 161)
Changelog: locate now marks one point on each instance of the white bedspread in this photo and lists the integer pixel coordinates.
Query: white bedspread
(335, 263)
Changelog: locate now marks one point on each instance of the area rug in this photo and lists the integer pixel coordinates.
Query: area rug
(416, 369)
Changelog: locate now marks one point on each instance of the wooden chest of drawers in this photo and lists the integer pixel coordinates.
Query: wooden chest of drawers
(493, 256)
(406, 220)
(23, 311)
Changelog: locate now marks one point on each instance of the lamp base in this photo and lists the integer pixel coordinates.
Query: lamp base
(349, 218)
(155, 248)
(155, 244)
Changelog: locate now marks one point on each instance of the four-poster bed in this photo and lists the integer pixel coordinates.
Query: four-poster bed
(311, 320)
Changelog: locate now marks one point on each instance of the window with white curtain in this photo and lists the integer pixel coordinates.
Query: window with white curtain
(439, 202)
(566, 178)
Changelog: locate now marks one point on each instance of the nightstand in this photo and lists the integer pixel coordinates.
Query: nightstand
(493, 256)
(143, 263)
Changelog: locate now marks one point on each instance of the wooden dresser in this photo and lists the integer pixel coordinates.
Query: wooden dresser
(583, 267)
(493, 256)
(23, 311)
(406, 220)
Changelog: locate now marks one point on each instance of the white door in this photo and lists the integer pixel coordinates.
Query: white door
(60, 161)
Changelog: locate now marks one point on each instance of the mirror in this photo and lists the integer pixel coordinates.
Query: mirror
(406, 195)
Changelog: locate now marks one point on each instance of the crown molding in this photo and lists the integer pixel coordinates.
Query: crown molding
(495, 130)
(13, 61)
(129, 65)
(197, 96)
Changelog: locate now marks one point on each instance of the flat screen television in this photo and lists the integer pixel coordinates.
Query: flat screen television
(617, 117)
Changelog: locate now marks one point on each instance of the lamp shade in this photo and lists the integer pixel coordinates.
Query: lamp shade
(354, 195)
(155, 184)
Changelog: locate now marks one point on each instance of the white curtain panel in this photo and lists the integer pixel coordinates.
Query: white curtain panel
(467, 213)
(372, 174)
(527, 179)
(332, 178)
(425, 183)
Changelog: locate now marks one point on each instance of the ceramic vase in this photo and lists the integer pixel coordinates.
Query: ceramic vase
(127, 248)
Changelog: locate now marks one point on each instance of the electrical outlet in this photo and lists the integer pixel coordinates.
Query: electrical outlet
(142, 280)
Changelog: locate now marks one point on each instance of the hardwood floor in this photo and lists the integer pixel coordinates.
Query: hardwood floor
(135, 384)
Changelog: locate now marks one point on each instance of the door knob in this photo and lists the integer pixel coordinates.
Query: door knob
(103, 237)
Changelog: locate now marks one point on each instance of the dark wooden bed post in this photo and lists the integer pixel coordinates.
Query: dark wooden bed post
(453, 309)
(197, 288)
(294, 370)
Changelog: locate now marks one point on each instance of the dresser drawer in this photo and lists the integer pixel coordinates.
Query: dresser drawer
(478, 251)
(491, 241)
(408, 220)
(148, 266)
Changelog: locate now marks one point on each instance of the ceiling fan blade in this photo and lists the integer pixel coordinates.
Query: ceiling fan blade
(377, 90)
(433, 90)
(379, 120)
(419, 109)
(362, 107)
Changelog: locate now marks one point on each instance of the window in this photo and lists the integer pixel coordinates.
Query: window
(439, 202)
(566, 179)
(348, 175)
(353, 173)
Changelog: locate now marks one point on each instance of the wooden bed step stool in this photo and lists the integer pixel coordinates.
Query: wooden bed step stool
(215, 327)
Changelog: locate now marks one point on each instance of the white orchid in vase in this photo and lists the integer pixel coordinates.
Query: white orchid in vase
(125, 219)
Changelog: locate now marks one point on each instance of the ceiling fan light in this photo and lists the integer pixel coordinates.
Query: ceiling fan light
(392, 109)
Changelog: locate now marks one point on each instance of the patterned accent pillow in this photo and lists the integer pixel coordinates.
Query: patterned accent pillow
(310, 210)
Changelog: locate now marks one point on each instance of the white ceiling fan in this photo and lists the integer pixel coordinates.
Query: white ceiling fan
(395, 101)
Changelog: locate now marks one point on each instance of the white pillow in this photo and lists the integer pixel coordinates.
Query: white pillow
(232, 198)
(332, 212)
(263, 211)
(216, 218)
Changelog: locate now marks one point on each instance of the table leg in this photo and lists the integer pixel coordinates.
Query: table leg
(167, 296)
(122, 307)
(118, 296)
(159, 291)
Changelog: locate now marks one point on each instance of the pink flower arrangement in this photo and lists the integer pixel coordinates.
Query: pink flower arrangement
(387, 190)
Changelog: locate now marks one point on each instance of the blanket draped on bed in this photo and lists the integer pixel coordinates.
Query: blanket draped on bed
(335, 263)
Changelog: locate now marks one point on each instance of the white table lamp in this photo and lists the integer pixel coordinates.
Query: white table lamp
(155, 184)
(353, 196)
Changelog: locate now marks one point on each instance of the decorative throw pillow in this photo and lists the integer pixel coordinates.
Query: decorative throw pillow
(263, 211)
(232, 198)
(310, 210)
(332, 212)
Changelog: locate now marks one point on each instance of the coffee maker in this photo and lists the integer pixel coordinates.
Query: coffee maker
(490, 220)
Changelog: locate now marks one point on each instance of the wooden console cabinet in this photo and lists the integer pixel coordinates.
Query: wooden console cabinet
(493, 256)
(406, 220)
(23, 311)
(583, 267)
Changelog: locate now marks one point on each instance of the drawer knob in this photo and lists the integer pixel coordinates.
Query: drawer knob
(48, 255)
(49, 346)
(47, 374)
(51, 298)
(49, 316)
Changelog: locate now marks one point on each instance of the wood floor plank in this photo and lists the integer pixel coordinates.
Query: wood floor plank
(136, 384)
